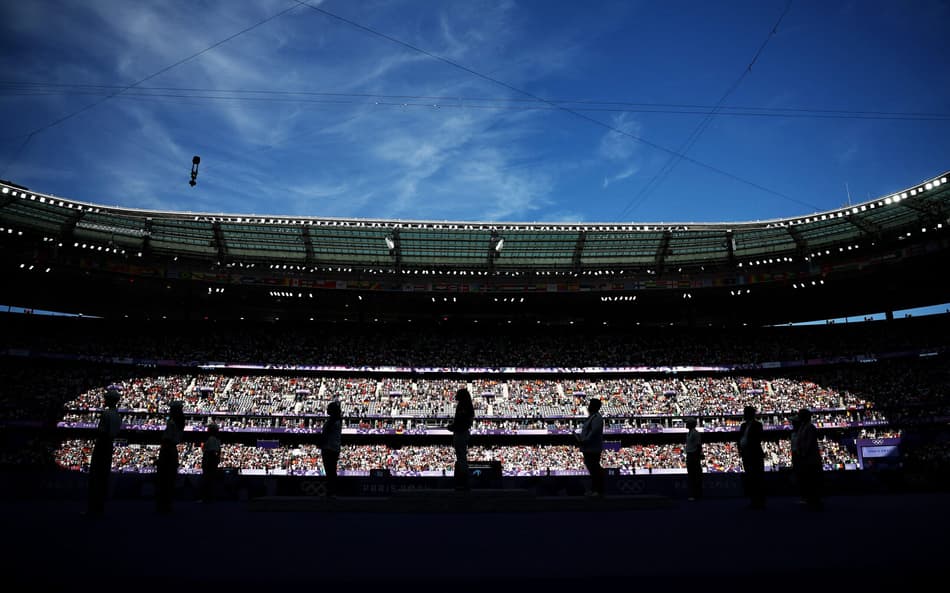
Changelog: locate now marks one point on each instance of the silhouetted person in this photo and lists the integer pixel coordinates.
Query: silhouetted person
(460, 427)
(591, 439)
(210, 459)
(168, 458)
(100, 467)
(330, 442)
(694, 461)
(796, 422)
(753, 458)
(809, 457)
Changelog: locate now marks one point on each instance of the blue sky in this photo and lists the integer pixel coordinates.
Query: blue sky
(469, 110)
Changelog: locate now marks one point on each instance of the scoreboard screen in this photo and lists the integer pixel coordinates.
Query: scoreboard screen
(880, 452)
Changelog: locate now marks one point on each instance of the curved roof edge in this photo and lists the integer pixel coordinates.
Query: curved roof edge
(7, 187)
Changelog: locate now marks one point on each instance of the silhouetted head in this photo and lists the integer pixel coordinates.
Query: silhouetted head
(112, 398)
(334, 410)
(691, 423)
(593, 405)
(749, 413)
(213, 428)
(463, 396)
(804, 415)
(176, 412)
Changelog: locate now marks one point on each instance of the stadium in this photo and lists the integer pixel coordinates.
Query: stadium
(468, 295)
(257, 324)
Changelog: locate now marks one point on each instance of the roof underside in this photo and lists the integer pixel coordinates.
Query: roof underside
(389, 244)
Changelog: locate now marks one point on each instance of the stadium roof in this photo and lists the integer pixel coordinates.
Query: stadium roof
(883, 255)
(479, 248)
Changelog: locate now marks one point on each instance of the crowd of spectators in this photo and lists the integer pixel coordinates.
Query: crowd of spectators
(35, 391)
(435, 459)
(44, 384)
(932, 458)
(269, 395)
(497, 425)
(434, 346)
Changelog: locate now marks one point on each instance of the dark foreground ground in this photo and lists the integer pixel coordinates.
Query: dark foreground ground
(887, 542)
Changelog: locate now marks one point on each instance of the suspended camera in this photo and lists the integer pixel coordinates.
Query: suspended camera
(194, 170)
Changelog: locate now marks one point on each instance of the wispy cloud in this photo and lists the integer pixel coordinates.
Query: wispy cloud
(619, 149)
(345, 159)
(456, 167)
(628, 172)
